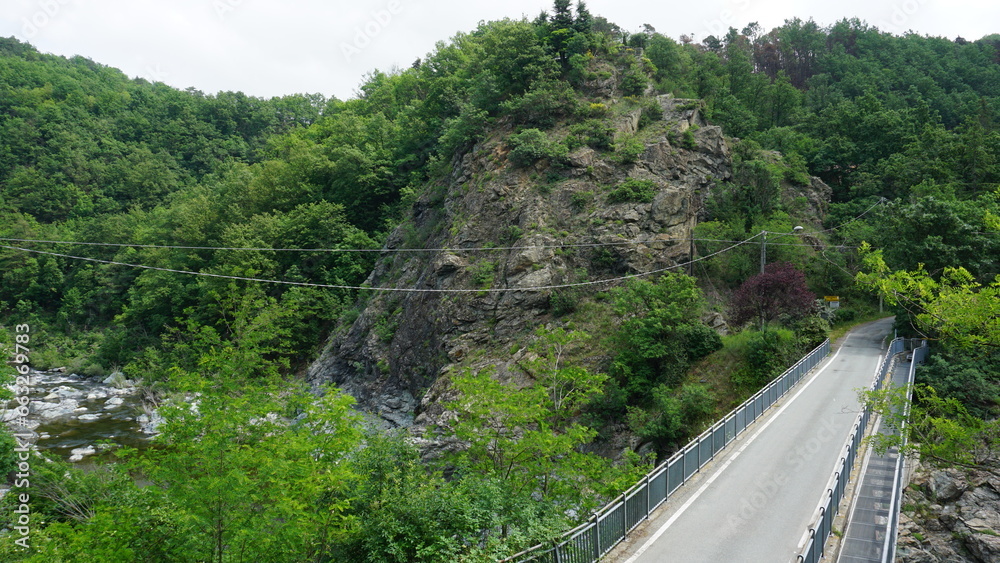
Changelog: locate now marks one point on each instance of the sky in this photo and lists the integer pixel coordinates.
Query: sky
(267, 48)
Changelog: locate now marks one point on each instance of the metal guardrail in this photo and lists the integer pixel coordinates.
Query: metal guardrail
(593, 539)
(820, 530)
(889, 550)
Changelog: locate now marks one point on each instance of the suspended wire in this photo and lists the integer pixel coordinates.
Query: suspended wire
(392, 250)
(734, 245)
(383, 289)
(881, 201)
(359, 250)
(446, 249)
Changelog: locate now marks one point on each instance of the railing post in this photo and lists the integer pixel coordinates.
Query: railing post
(597, 537)
(648, 503)
(624, 516)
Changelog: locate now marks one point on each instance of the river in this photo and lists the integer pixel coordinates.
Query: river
(73, 417)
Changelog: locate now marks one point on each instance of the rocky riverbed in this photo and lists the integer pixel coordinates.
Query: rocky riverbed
(75, 417)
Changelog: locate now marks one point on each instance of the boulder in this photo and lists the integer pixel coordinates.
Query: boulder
(77, 454)
(946, 486)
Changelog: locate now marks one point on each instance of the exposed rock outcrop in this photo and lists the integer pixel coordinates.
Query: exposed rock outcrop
(950, 515)
(401, 343)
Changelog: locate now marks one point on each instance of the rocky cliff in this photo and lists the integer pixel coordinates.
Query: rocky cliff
(401, 341)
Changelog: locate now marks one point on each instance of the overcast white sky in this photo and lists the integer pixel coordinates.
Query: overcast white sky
(268, 48)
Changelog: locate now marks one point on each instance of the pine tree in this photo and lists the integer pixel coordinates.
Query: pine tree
(561, 28)
(562, 16)
(584, 20)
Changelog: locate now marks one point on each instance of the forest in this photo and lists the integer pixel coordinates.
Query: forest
(100, 172)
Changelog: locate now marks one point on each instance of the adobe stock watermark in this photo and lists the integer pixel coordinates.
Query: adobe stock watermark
(758, 499)
(728, 17)
(365, 34)
(22, 388)
(225, 7)
(154, 73)
(48, 10)
(902, 11)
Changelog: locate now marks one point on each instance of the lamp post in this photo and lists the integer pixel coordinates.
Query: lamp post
(763, 245)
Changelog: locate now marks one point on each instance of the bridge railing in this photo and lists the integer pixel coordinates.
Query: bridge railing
(829, 506)
(889, 550)
(611, 524)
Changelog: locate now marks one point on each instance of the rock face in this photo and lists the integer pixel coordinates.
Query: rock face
(951, 516)
(402, 342)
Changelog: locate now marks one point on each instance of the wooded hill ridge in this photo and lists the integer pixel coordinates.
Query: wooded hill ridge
(568, 130)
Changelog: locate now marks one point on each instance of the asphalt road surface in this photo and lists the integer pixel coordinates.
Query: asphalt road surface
(755, 502)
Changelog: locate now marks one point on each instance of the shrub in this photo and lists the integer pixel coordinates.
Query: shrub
(812, 331)
(634, 81)
(689, 141)
(699, 340)
(597, 110)
(564, 301)
(633, 190)
(663, 424)
(768, 353)
(628, 148)
(580, 200)
(543, 105)
(673, 417)
(594, 133)
(651, 112)
(528, 147)
(483, 273)
(795, 170)
(8, 458)
(608, 407)
(697, 404)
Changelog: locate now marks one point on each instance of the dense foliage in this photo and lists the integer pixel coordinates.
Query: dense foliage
(237, 186)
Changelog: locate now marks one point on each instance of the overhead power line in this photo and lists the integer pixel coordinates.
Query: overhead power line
(381, 289)
(881, 201)
(394, 250)
(360, 250)
(733, 244)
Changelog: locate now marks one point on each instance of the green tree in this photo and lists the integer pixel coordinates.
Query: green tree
(955, 307)
(660, 333)
(252, 484)
(940, 430)
(514, 437)
(569, 387)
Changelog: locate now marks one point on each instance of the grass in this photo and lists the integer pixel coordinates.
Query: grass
(840, 329)
(715, 371)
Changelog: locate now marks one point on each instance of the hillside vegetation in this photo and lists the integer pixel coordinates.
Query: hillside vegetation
(516, 135)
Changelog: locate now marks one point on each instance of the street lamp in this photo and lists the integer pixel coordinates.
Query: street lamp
(763, 244)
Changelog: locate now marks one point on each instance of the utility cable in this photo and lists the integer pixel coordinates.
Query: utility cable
(361, 250)
(381, 289)
(393, 250)
(881, 201)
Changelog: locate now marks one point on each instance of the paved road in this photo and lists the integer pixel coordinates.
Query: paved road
(755, 502)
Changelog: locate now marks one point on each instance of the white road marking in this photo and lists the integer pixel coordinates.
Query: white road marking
(652, 539)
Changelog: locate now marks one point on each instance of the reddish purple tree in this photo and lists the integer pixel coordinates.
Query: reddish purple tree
(779, 292)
